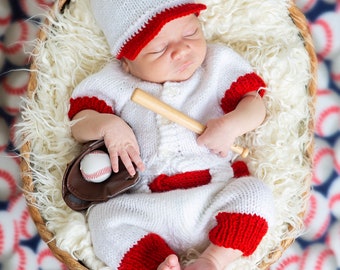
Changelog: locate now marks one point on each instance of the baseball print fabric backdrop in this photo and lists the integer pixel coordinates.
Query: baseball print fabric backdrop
(317, 249)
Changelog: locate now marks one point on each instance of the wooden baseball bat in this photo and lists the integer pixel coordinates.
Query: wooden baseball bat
(150, 102)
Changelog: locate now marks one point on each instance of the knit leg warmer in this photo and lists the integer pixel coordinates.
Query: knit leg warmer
(147, 254)
(244, 220)
(238, 231)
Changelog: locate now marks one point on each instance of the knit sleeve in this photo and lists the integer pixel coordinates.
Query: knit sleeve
(244, 84)
(100, 91)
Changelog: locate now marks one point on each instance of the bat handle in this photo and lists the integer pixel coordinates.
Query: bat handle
(242, 151)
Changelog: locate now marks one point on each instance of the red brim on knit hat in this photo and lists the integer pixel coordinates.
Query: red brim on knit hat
(135, 44)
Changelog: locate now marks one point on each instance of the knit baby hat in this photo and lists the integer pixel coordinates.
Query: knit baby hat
(129, 25)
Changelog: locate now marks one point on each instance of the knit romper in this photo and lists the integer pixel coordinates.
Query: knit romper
(187, 197)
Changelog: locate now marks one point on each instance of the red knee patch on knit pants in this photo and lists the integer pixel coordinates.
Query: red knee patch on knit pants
(238, 231)
(147, 254)
(193, 179)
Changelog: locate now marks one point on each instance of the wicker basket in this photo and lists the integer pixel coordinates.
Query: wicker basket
(27, 152)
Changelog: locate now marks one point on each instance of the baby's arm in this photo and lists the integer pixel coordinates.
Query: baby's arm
(119, 138)
(221, 132)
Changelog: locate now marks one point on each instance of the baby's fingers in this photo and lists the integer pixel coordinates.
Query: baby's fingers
(129, 156)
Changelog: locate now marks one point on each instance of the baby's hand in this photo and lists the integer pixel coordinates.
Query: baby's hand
(218, 136)
(121, 142)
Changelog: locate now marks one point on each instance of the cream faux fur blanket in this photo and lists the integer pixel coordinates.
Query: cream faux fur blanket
(261, 30)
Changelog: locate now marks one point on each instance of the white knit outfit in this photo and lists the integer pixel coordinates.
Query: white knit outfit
(137, 227)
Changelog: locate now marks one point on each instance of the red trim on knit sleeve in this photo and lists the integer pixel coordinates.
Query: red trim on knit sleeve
(148, 253)
(185, 180)
(247, 83)
(88, 103)
(243, 232)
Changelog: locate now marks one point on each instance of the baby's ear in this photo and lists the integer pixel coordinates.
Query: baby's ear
(125, 65)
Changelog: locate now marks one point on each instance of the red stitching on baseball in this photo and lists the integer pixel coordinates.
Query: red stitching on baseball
(322, 258)
(329, 37)
(333, 200)
(22, 258)
(17, 47)
(5, 20)
(9, 179)
(335, 77)
(12, 90)
(288, 261)
(324, 114)
(42, 255)
(48, 253)
(323, 228)
(311, 212)
(95, 175)
(2, 241)
(317, 157)
(23, 221)
(308, 5)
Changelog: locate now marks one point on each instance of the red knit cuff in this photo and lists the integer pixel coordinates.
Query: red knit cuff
(185, 180)
(247, 83)
(147, 254)
(239, 231)
(88, 103)
(240, 169)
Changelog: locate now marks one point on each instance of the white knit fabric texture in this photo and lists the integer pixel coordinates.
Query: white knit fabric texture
(122, 19)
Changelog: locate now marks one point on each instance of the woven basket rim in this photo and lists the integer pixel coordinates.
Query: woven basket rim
(301, 23)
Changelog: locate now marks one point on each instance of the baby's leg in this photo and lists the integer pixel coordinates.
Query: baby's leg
(246, 216)
(125, 239)
(215, 258)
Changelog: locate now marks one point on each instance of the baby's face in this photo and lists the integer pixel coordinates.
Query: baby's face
(173, 55)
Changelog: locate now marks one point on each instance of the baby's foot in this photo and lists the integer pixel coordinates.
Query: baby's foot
(170, 263)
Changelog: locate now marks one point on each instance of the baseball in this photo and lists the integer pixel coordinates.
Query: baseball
(4, 135)
(317, 217)
(18, 41)
(18, 209)
(337, 156)
(333, 240)
(46, 260)
(96, 166)
(12, 89)
(323, 161)
(22, 258)
(323, 76)
(334, 198)
(5, 16)
(325, 34)
(9, 176)
(35, 8)
(318, 257)
(8, 235)
(327, 113)
(335, 70)
(305, 5)
(290, 259)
